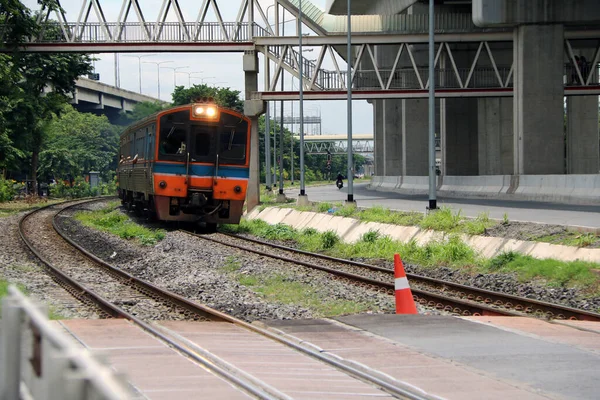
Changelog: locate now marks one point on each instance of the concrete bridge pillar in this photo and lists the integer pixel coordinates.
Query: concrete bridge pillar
(495, 140)
(253, 109)
(582, 135)
(459, 137)
(379, 157)
(392, 137)
(538, 99)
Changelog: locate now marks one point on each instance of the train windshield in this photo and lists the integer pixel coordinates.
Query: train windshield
(203, 140)
(173, 136)
(233, 140)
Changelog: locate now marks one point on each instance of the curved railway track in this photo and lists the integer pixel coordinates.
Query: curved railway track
(117, 294)
(440, 294)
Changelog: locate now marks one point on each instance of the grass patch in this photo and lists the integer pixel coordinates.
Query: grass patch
(14, 207)
(288, 291)
(107, 219)
(569, 238)
(232, 264)
(556, 273)
(384, 215)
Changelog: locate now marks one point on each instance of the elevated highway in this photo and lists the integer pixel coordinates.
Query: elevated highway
(100, 98)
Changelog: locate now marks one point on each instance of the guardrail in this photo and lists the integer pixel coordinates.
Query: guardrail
(38, 362)
(134, 32)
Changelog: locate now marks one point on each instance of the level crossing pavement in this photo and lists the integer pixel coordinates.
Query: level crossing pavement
(530, 211)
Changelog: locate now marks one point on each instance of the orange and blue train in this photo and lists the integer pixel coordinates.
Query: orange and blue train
(188, 163)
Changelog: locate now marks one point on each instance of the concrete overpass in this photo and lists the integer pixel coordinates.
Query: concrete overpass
(100, 98)
(521, 145)
(503, 68)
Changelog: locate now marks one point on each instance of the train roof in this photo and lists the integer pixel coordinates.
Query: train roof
(152, 117)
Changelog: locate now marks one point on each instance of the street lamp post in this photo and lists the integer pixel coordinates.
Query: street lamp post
(205, 78)
(175, 74)
(189, 74)
(349, 87)
(157, 71)
(432, 174)
(301, 89)
(140, 66)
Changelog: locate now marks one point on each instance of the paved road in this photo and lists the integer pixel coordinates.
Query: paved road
(545, 213)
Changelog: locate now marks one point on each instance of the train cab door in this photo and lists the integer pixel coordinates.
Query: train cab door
(203, 164)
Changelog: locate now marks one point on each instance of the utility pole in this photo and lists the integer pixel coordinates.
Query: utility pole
(303, 198)
(432, 174)
(349, 87)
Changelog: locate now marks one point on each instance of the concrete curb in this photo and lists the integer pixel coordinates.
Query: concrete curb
(568, 189)
(350, 230)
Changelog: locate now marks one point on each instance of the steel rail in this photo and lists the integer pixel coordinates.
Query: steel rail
(245, 382)
(381, 381)
(520, 304)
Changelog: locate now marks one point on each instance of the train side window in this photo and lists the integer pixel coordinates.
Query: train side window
(149, 143)
(131, 145)
(139, 143)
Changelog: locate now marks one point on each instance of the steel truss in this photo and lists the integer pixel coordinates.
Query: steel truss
(339, 147)
(470, 77)
(84, 31)
(458, 72)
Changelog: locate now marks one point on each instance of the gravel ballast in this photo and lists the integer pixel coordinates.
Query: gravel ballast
(194, 269)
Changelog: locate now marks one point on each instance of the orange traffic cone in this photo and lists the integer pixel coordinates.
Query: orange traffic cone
(404, 299)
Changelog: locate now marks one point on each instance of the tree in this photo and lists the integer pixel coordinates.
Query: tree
(224, 97)
(32, 108)
(9, 97)
(78, 143)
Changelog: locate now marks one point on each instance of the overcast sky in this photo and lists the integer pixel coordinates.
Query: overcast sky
(220, 69)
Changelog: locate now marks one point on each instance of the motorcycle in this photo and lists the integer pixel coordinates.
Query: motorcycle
(339, 183)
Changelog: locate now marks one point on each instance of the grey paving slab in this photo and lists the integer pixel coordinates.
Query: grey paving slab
(551, 367)
(545, 213)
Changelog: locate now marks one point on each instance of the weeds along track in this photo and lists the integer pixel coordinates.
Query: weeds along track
(430, 292)
(117, 294)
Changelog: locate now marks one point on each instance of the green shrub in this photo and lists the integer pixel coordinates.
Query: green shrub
(442, 220)
(309, 232)
(329, 239)
(370, 237)
(502, 260)
(8, 189)
(280, 231)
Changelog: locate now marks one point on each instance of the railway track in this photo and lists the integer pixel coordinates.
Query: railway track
(117, 294)
(436, 293)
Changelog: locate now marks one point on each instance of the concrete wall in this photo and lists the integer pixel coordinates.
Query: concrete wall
(563, 189)
(460, 155)
(495, 136)
(582, 135)
(379, 156)
(392, 136)
(496, 13)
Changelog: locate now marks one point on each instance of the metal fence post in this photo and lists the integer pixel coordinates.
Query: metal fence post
(11, 345)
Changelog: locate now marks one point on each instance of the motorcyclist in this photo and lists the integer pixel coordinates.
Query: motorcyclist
(339, 180)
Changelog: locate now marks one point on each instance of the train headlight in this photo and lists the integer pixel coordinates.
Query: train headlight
(237, 189)
(205, 110)
(162, 184)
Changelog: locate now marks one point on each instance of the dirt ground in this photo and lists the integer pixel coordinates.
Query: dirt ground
(555, 234)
